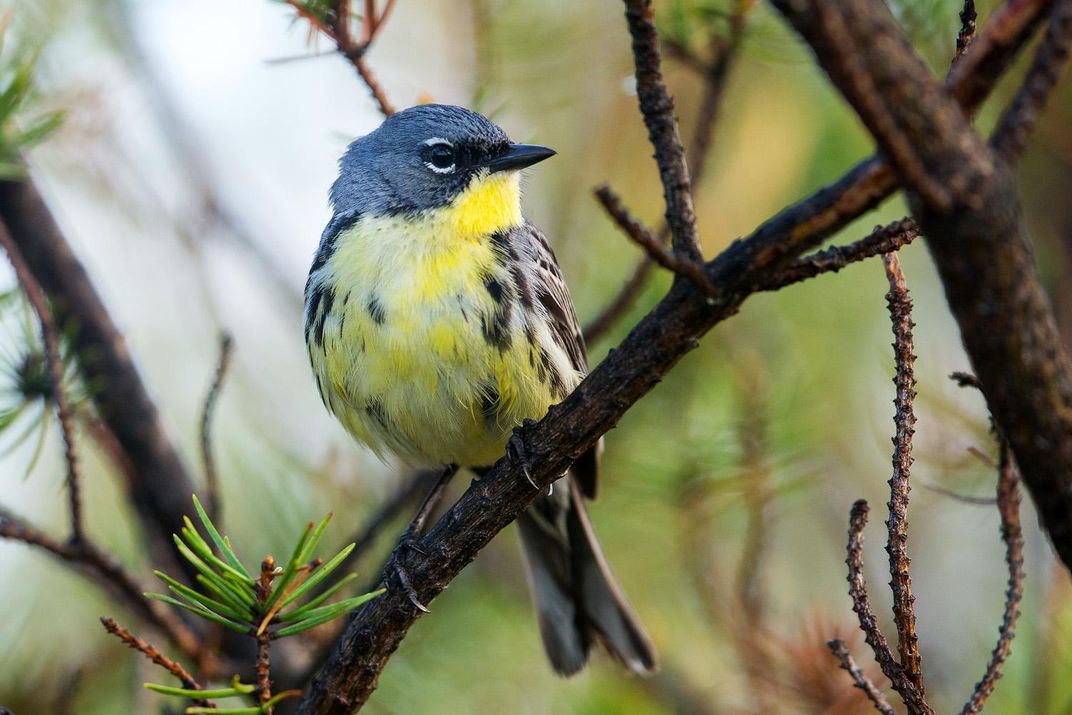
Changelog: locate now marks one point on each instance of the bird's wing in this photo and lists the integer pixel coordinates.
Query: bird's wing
(550, 291)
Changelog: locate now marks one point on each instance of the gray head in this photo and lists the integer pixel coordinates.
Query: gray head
(422, 157)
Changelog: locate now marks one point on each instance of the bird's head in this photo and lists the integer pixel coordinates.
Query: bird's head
(429, 157)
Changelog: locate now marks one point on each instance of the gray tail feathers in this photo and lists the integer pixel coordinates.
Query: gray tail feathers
(577, 599)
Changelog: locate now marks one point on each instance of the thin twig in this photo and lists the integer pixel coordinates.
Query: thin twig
(207, 410)
(967, 29)
(1008, 499)
(861, 602)
(676, 262)
(884, 239)
(108, 573)
(50, 338)
(658, 111)
(155, 656)
(900, 306)
(716, 75)
(861, 681)
(263, 589)
(353, 49)
(1050, 59)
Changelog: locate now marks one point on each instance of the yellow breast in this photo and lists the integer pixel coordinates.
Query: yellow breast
(404, 358)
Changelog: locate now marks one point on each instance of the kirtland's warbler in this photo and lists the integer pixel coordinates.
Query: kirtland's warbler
(437, 321)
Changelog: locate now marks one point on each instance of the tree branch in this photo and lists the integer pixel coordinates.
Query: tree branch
(1008, 500)
(105, 571)
(861, 681)
(964, 198)
(904, 612)
(160, 485)
(51, 341)
(1050, 60)
(658, 111)
(652, 348)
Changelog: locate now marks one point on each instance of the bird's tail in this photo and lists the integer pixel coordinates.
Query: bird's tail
(577, 599)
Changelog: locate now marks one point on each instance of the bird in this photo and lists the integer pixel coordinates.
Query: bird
(437, 321)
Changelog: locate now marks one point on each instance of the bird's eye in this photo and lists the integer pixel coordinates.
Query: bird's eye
(439, 156)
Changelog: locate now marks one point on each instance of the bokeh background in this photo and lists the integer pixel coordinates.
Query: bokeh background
(191, 176)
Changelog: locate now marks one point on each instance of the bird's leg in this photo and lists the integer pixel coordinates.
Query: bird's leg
(411, 537)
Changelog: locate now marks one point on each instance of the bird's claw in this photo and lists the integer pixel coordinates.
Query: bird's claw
(515, 447)
(407, 586)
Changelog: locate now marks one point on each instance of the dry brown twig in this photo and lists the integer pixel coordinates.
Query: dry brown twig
(336, 27)
(1008, 500)
(1050, 60)
(716, 74)
(154, 654)
(859, 679)
(900, 307)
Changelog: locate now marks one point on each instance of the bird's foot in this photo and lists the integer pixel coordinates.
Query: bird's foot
(515, 448)
(398, 567)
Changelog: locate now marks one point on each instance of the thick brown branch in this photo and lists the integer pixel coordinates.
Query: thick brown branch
(161, 486)
(212, 481)
(861, 681)
(155, 656)
(1008, 499)
(51, 341)
(964, 198)
(904, 612)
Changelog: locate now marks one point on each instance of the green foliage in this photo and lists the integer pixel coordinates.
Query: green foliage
(20, 128)
(276, 603)
(25, 387)
(273, 602)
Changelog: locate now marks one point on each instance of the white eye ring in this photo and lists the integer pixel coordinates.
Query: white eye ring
(436, 141)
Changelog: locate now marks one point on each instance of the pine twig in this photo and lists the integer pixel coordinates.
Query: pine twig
(155, 656)
(883, 239)
(677, 263)
(861, 681)
(658, 111)
(50, 338)
(1008, 500)
(1051, 57)
(900, 307)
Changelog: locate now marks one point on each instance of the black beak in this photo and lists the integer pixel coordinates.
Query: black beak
(518, 156)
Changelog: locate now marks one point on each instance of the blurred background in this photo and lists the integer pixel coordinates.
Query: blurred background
(191, 175)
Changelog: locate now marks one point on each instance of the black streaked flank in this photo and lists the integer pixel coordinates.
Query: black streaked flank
(319, 301)
(375, 310)
(495, 289)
